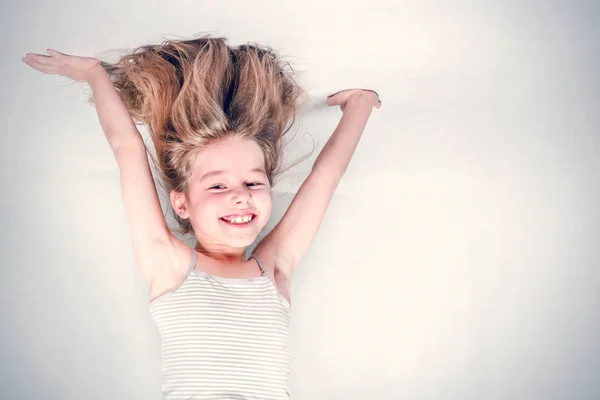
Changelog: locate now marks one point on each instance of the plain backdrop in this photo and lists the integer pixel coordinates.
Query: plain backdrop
(458, 259)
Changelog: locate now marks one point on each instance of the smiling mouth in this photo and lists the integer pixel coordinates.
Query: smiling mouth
(240, 222)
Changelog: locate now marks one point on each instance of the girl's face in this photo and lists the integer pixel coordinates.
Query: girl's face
(228, 178)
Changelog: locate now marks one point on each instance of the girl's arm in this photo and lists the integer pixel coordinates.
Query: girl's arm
(290, 239)
(150, 234)
(357, 106)
(117, 124)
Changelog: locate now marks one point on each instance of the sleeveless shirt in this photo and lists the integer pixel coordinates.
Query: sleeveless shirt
(224, 338)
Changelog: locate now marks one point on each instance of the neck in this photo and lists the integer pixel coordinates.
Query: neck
(226, 256)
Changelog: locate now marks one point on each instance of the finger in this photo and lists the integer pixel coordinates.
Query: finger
(378, 103)
(47, 69)
(56, 54)
(35, 56)
(333, 95)
(335, 99)
(376, 94)
(41, 59)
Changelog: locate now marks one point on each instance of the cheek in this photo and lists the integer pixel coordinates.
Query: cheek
(206, 207)
(263, 200)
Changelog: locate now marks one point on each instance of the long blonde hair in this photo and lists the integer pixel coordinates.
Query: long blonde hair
(190, 93)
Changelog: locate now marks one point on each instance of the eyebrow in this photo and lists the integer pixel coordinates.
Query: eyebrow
(220, 172)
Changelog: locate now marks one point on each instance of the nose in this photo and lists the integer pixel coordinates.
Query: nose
(242, 195)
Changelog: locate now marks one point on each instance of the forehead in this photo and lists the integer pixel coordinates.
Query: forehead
(234, 155)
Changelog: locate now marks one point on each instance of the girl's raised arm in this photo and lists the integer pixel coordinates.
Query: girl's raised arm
(150, 235)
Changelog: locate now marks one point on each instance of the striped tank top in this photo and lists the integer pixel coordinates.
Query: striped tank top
(224, 338)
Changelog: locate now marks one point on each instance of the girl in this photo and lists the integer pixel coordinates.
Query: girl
(217, 116)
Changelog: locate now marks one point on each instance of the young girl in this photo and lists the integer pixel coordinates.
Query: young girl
(217, 116)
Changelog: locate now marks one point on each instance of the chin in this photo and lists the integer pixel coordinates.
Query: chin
(240, 240)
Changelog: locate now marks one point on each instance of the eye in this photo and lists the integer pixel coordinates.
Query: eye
(220, 186)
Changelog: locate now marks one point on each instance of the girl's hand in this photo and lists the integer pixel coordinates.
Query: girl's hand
(341, 98)
(72, 67)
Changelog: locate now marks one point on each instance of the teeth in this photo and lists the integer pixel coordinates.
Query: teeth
(241, 220)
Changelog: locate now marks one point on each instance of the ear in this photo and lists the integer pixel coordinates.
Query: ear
(179, 204)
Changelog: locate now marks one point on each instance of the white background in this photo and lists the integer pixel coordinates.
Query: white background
(458, 259)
